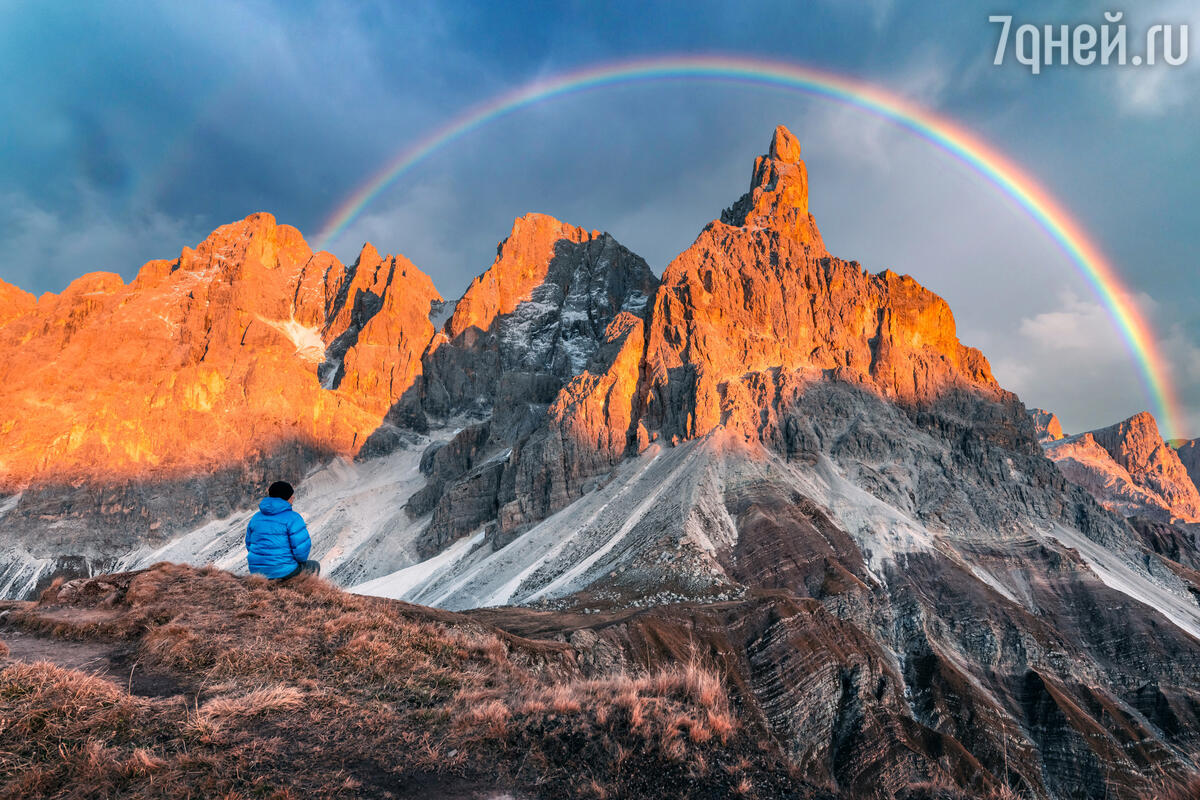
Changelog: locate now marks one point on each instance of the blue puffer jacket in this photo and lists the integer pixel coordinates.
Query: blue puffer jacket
(276, 539)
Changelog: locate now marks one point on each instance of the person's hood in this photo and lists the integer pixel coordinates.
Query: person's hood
(273, 505)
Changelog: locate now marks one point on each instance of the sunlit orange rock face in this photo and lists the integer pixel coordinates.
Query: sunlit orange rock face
(1130, 469)
(208, 360)
(14, 302)
(756, 303)
(522, 264)
(778, 196)
(1046, 425)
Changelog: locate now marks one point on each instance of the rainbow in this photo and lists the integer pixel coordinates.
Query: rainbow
(1066, 233)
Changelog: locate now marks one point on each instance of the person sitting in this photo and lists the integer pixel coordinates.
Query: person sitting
(277, 540)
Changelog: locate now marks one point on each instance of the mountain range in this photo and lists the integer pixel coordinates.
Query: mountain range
(766, 454)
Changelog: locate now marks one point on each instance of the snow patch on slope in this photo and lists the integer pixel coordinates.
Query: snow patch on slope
(399, 583)
(307, 341)
(1118, 573)
(568, 550)
(881, 531)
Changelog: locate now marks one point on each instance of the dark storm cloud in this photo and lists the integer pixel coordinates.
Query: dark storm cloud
(100, 160)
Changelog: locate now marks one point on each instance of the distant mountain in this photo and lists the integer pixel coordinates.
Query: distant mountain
(1046, 425)
(133, 410)
(1189, 455)
(1130, 469)
(768, 455)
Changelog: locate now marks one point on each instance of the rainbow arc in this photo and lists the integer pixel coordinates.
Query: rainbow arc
(949, 136)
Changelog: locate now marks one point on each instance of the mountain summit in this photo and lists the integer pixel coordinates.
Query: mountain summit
(1130, 469)
(778, 196)
(209, 360)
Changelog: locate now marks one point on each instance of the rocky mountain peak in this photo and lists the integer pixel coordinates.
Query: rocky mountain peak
(14, 301)
(212, 360)
(1135, 443)
(254, 242)
(523, 262)
(756, 307)
(784, 146)
(778, 196)
(1129, 468)
(1046, 425)
(368, 254)
(540, 309)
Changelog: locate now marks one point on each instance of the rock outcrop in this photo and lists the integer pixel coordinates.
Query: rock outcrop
(14, 302)
(1131, 470)
(778, 196)
(1046, 425)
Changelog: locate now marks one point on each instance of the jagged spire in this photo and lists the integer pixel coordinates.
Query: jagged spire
(778, 196)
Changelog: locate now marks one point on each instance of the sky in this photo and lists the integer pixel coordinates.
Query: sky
(129, 130)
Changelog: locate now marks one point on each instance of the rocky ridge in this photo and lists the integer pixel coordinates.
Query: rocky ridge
(133, 411)
(209, 359)
(1130, 469)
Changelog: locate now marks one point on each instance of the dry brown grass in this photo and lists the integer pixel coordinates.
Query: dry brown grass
(1190, 791)
(370, 696)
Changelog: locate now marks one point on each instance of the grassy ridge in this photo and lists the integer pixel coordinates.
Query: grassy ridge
(302, 690)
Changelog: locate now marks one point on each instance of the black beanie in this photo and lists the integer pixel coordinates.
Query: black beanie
(281, 489)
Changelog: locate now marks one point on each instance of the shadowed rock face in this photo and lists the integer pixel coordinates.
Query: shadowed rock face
(1189, 455)
(789, 463)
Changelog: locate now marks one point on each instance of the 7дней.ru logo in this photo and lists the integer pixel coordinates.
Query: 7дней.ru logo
(1049, 45)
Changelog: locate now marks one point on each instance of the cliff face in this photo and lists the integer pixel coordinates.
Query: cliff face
(129, 411)
(208, 360)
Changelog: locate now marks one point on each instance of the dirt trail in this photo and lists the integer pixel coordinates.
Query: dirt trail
(111, 660)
